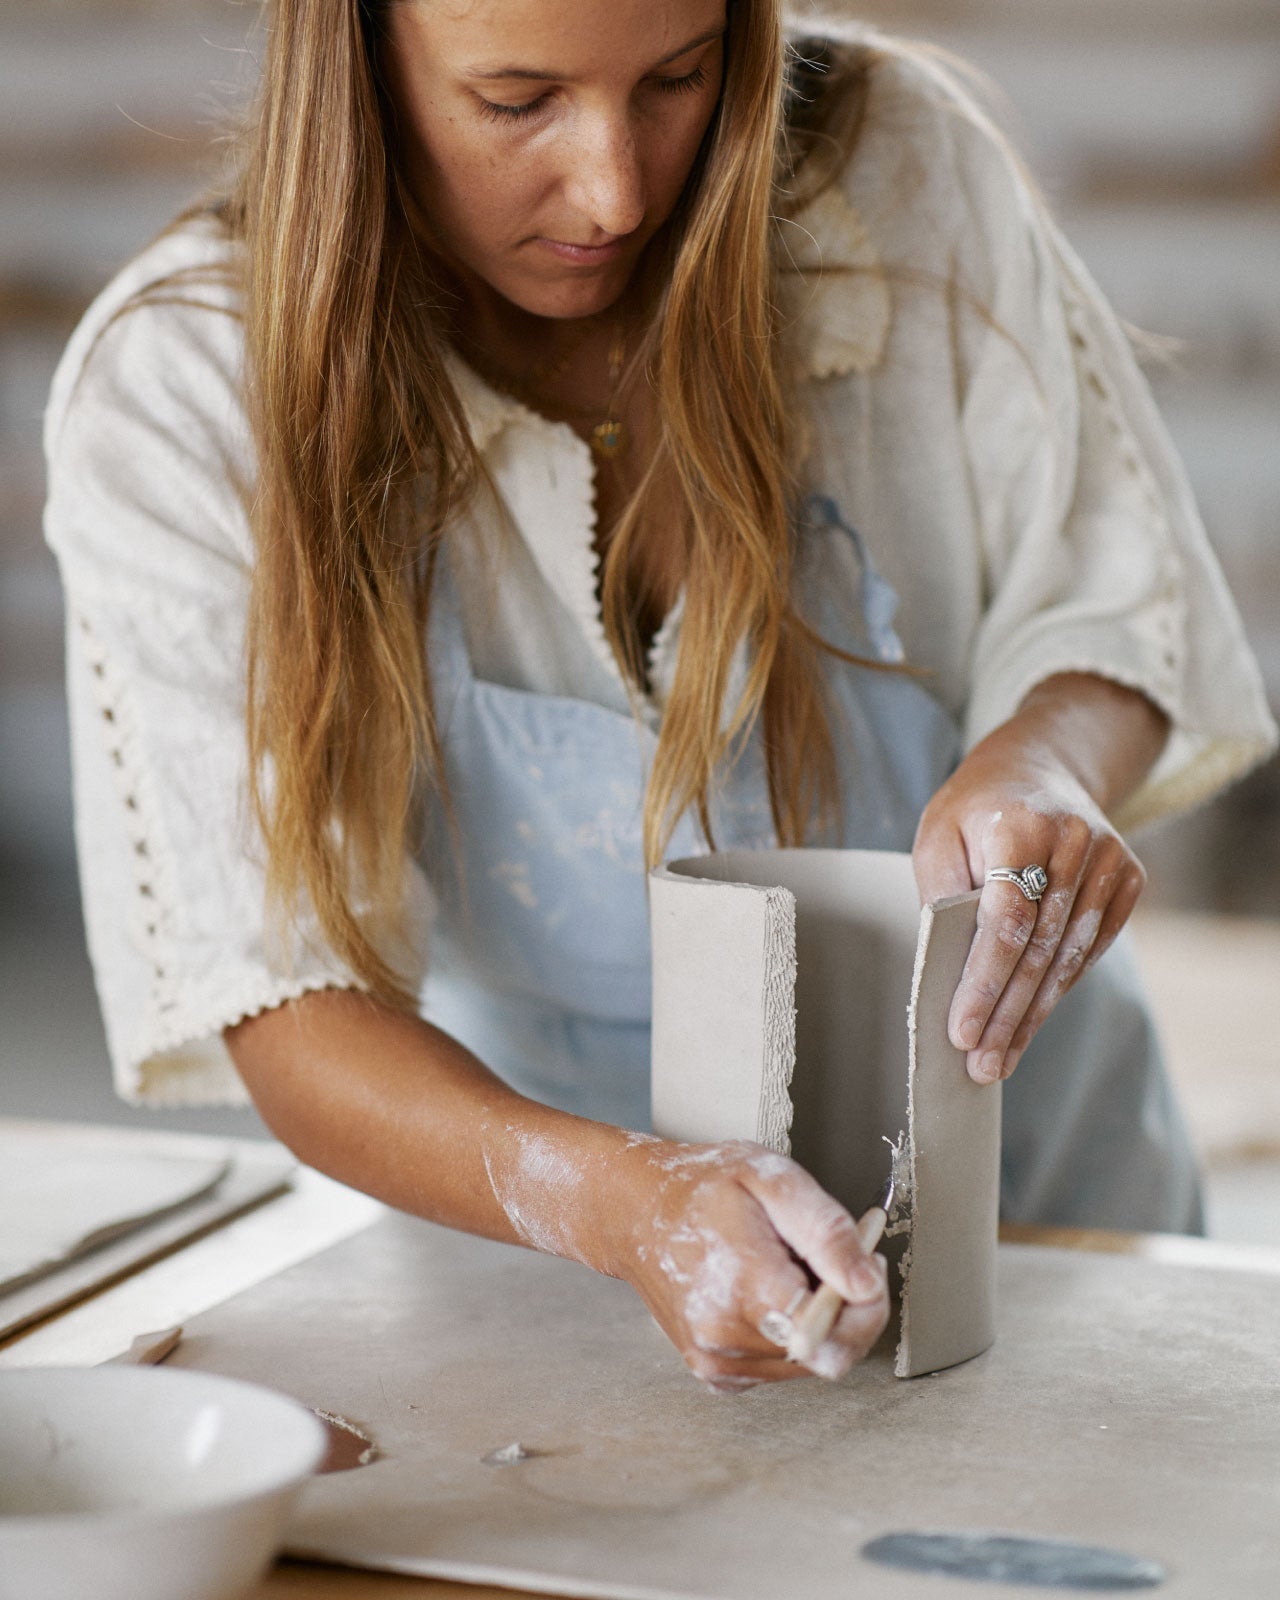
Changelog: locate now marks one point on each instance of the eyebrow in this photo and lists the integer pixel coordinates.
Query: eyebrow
(543, 75)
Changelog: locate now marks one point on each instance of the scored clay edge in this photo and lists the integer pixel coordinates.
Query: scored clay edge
(902, 1358)
(779, 1021)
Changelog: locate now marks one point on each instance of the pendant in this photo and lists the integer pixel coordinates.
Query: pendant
(607, 438)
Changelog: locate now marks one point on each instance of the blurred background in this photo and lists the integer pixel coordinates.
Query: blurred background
(1154, 125)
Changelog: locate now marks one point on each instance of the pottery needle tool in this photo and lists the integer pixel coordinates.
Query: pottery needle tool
(814, 1321)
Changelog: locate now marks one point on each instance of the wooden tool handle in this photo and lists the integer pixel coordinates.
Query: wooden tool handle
(815, 1319)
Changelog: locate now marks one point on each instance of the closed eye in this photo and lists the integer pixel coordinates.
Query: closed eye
(497, 111)
(683, 85)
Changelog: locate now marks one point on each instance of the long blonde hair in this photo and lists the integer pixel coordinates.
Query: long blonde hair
(364, 459)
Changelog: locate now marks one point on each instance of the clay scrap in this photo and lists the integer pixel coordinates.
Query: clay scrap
(65, 1193)
(83, 1207)
(800, 999)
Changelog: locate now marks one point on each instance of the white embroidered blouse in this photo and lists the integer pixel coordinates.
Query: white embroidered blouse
(971, 405)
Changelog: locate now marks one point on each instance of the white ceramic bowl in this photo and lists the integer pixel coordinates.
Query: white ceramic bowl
(140, 1483)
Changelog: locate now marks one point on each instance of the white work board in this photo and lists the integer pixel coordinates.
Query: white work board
(1125, 1404)
(82, 1207)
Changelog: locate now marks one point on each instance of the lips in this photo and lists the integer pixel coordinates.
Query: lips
(587, 255)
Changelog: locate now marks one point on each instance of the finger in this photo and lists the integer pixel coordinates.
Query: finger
(1103, 906)
(986, 1060)
(813, 1322)
(1006, 923)
(731, 1291)
(1133, 880)
(819, 1230)
(724, 1375)
(855, 1335)
(941, 862)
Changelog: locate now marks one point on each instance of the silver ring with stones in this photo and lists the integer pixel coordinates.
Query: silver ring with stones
(1033, 881)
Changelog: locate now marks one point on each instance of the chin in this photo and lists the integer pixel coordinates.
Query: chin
(581, 295)
(582, 301)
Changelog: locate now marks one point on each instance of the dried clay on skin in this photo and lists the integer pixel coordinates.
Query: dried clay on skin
(714, 1285)
(543, 1174)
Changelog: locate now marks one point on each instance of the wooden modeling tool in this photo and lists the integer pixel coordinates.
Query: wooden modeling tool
(812, 1324)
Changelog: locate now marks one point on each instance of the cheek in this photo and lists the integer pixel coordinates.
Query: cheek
(671, 153)
(470, 183)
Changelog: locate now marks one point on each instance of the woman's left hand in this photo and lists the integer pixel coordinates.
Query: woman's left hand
(1013, 802)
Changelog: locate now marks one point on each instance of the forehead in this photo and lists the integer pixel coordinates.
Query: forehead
(562, 38)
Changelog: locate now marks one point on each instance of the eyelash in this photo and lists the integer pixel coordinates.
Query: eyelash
(500, 113)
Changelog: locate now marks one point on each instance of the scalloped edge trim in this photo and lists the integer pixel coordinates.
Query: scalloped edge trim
(1222, 760)
(158, 1076)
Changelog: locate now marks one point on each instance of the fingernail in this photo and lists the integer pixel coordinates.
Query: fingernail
(866, 1282)
(730, 1385)
(967, 1034)
(988, 1067)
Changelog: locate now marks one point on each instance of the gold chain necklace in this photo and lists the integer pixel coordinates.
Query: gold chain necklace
(608, 438)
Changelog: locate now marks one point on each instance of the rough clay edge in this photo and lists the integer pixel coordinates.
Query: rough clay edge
(777, 1110)
(901, 1365)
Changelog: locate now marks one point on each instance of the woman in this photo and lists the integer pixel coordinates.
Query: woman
(511, 342)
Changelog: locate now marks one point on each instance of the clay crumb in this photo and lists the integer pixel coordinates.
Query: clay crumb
(509, 1455)
(900, 1209)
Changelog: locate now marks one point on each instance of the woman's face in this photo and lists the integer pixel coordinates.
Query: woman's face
(549, 140)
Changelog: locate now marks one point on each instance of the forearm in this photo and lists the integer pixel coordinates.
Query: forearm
(711, 1236)
(394, 1107)
(1106, 736)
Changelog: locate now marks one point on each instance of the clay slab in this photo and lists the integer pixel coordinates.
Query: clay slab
(949, 1291)
(800, 999)
(1126, 1404)
(153, 1192)
(64, 1192)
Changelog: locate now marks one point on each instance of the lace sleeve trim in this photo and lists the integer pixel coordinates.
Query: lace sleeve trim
(151, 914)
(175, 1054)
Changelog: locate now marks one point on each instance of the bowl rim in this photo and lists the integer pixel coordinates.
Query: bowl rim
(13, 1524)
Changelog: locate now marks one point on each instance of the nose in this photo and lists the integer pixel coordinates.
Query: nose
(606, 177)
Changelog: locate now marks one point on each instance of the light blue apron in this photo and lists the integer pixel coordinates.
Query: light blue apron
(540, 953)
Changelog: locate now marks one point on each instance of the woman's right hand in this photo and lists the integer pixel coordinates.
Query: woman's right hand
(710, 1235)
(712, 1250)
